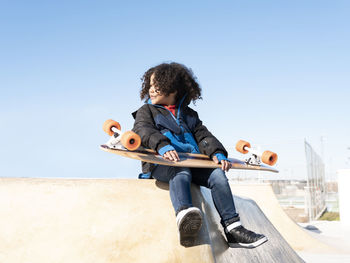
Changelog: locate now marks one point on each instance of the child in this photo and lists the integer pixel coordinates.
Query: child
(167, 125)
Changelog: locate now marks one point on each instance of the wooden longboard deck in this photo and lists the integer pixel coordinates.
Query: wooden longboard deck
(186, 160)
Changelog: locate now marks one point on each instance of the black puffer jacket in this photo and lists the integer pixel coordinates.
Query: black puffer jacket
(158, 129)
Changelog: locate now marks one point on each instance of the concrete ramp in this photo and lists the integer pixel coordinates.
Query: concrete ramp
(296, 236)
(64, 220)
(276, 249)
(59, 220)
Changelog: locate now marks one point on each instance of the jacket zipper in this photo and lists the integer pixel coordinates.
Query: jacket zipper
(178, 112)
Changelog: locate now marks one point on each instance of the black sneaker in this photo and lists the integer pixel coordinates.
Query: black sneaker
(189, 222)
(238, 236)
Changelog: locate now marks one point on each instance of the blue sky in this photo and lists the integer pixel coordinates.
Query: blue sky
(271, 72)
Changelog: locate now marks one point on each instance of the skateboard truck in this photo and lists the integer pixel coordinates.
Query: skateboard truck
(114, 141)
(253, 160)
(121, 140)
(257, 156)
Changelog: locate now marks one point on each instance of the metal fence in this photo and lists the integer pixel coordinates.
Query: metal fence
(316, 187)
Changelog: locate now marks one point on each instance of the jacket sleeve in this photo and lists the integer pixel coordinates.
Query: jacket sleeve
(208, 144)
(144, 126)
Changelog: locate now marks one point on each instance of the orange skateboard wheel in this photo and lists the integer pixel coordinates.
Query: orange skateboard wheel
(269, 158)
(240, 146)
(130, 140)
(108, 124)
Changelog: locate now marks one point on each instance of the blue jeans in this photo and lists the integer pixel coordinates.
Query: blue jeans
(180, 179)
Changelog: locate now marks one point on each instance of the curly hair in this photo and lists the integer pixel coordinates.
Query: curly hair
(171, 77)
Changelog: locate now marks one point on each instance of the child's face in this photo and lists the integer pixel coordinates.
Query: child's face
(158, 98)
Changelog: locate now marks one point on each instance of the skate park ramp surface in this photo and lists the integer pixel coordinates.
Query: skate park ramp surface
(295, 235)
(119, 220)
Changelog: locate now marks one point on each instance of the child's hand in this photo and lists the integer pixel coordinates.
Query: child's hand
(225, 165)
(171, 156)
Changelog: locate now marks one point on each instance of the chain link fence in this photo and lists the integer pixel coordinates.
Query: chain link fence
(315, 198)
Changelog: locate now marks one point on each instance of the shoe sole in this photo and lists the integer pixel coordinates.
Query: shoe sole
(249, 245)
(189, 227)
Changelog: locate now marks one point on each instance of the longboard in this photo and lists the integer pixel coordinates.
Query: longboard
(127, 144)
(186, 160)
